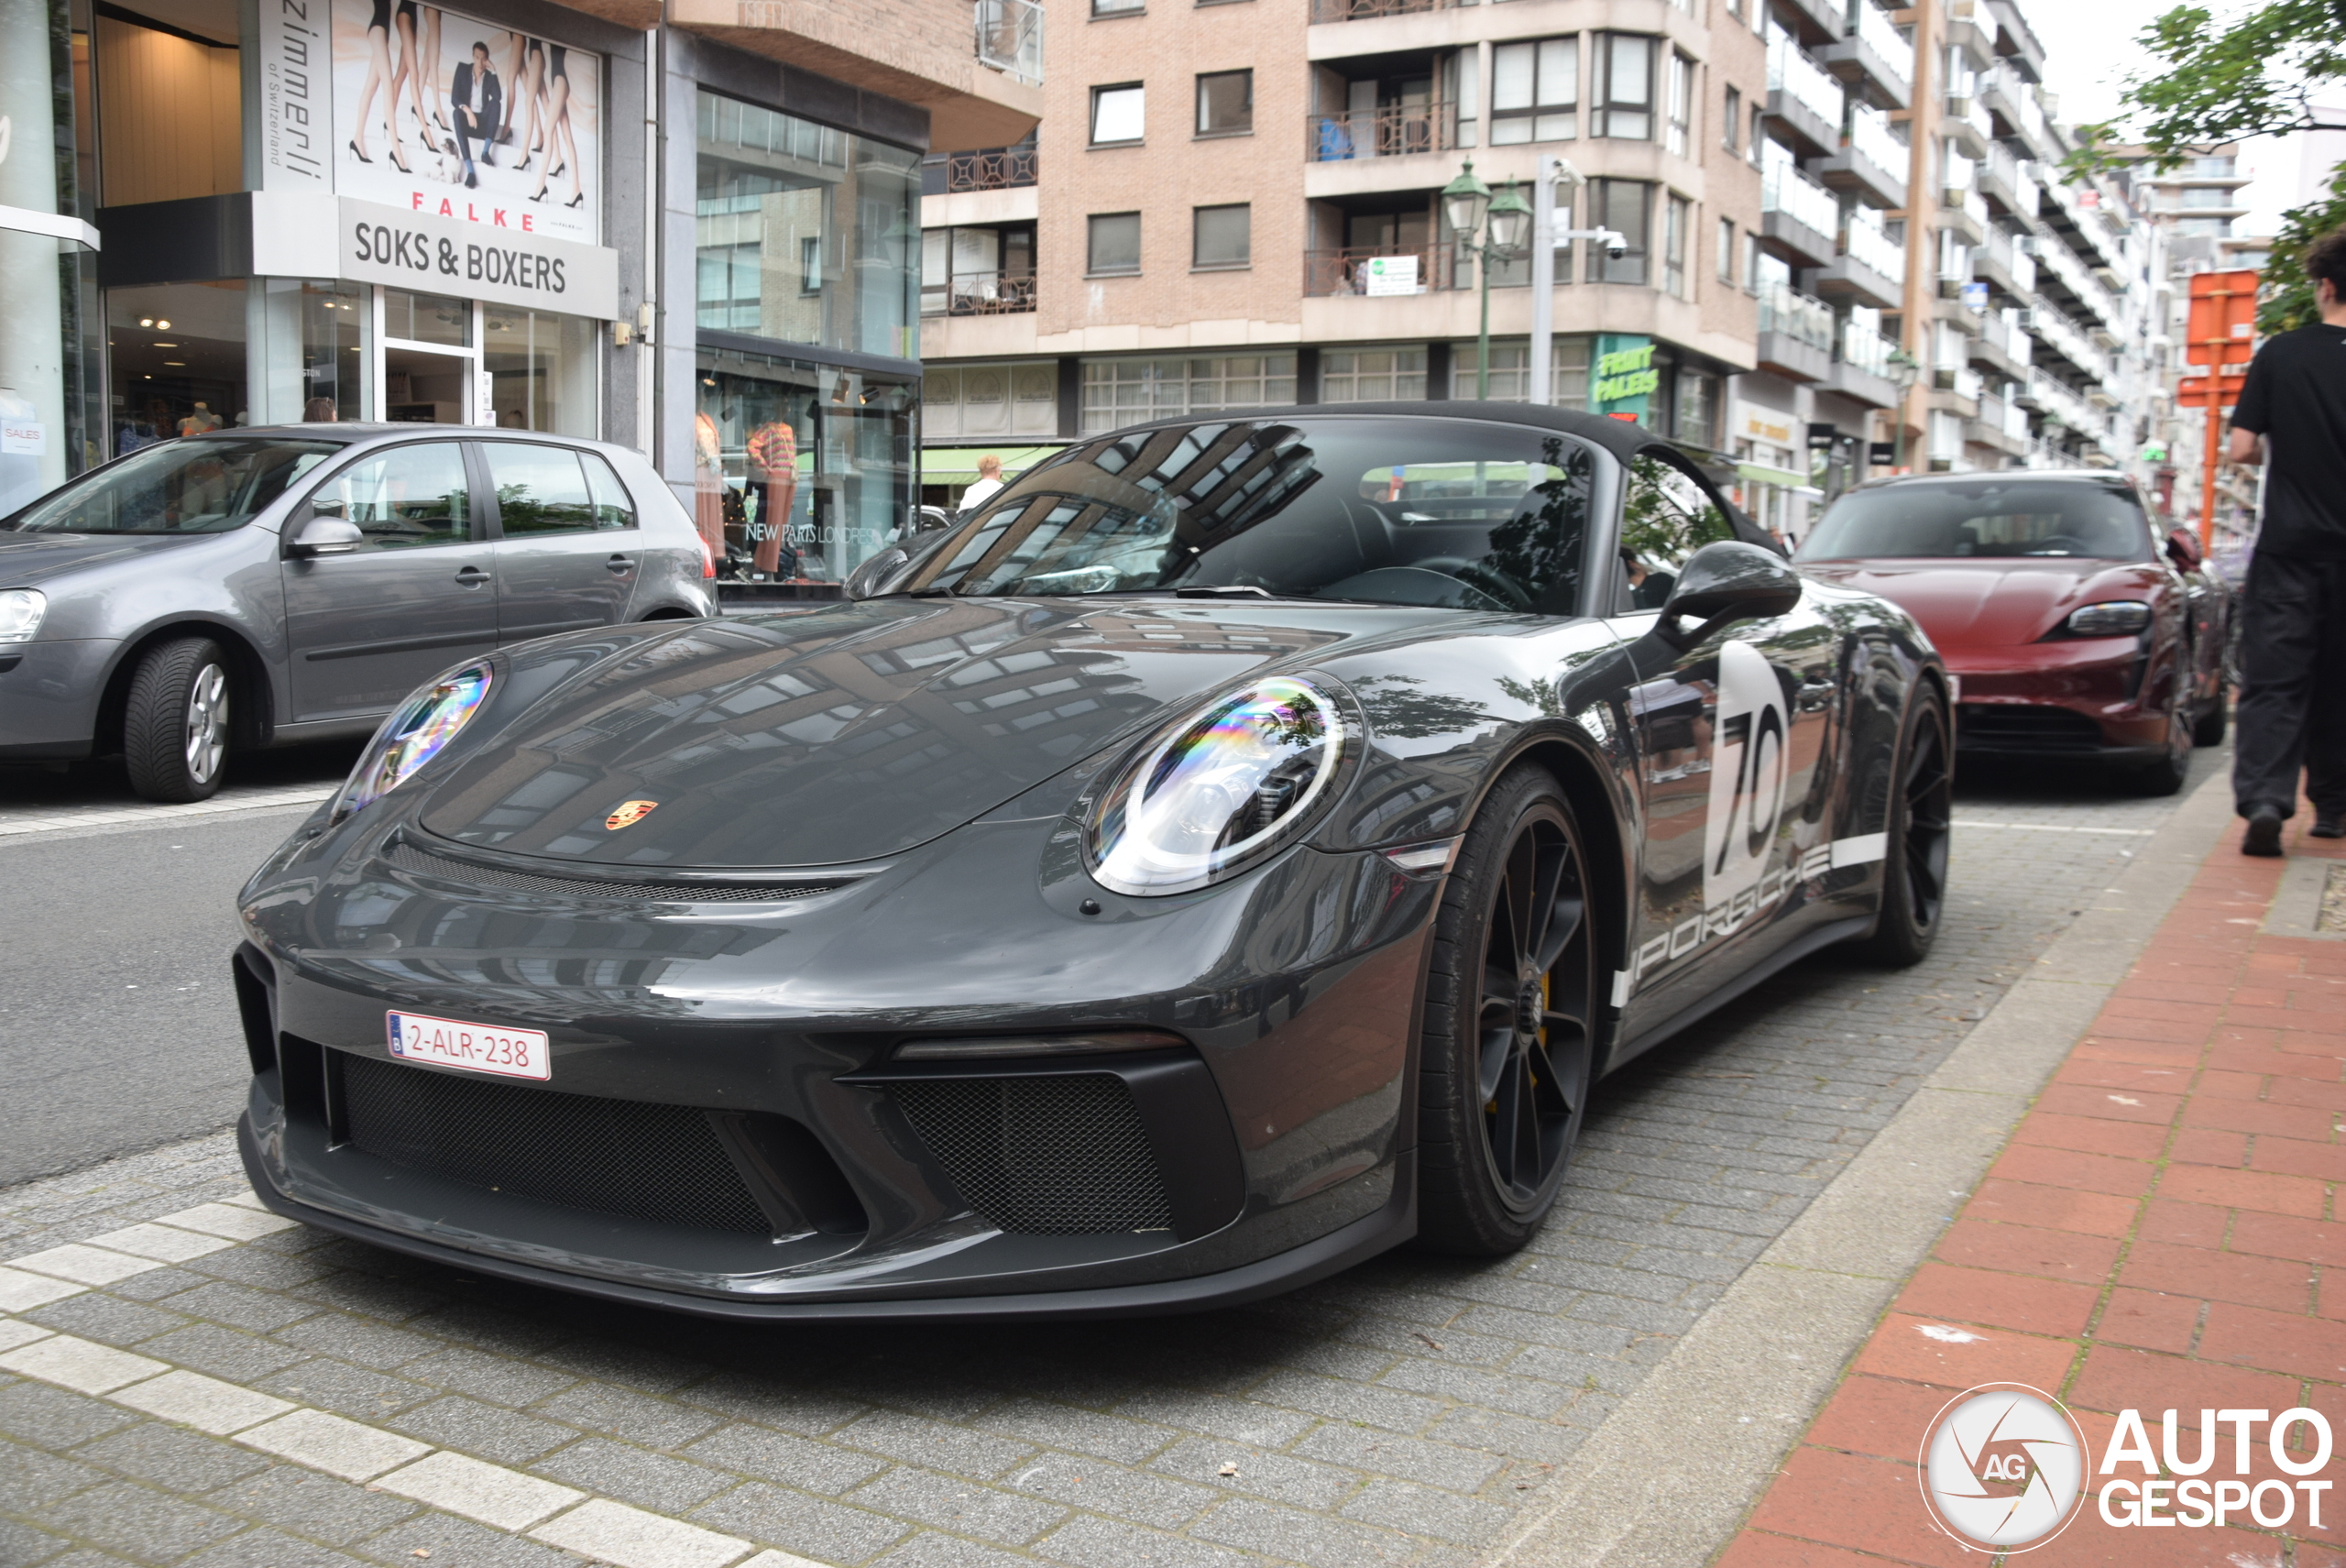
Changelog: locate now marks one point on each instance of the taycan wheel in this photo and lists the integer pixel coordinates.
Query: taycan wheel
(175, 723)
(1922, 823)
(1509, 1017)
(2166, 776)
(2209, 730)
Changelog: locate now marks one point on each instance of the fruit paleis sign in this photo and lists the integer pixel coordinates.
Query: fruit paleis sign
(481, 254)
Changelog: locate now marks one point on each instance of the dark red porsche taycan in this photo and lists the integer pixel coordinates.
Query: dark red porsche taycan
(2074, 628)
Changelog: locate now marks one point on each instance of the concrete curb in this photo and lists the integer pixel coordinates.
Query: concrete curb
(1670, 1477)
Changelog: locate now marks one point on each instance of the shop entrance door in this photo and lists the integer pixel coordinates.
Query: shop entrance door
(430, 364)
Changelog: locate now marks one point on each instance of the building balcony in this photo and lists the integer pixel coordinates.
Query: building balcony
(1795, 335)
(1799, 214)
(977, 70)
(1965, 123)
(990, 169)
(1963, 212)
(1964, 31)
(1846, 277)
(1803, 129)
(1369, 10)
(2016, 38)
(979, 294)
(1877, 64)
(1372, 271)
(1816, 22)
(1848, 167)
(1397, 130)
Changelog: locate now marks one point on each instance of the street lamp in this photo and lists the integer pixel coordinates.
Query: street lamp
(1904, 371)
(1469, 206)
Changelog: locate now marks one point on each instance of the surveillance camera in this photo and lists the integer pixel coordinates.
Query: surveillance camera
(1615, 249)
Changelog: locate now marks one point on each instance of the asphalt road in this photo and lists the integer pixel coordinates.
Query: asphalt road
(117, 1023)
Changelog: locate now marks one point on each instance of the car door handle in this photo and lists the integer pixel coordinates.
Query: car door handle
(471, 577)
(620, 565)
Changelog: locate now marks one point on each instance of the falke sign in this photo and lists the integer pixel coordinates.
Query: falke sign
(485, 255)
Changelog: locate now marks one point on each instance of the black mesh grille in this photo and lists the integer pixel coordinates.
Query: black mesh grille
(1043, 1156)
(616, 1157)
(407, 857)
(2042, 729)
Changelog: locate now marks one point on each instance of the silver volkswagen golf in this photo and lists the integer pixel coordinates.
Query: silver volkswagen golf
(260, 588)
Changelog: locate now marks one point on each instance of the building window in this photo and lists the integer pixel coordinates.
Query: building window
(1372, 374)
(1118, 115)
(1459, 87)
(1226, 103)
(1726, 250)
(1731, 121)
(1752, 258)
(1222, 238)
(1677, 219)
(978, 401)
(1535, 91)
(1114, 244)
(802, 232)
(1759, 132)
(1625, 91)
(1510, 370)
(1118, 8)
(1568, 372)
(1679, 133)
(1118, 392)
(977, 271)
(1696, 416)
(1626, 208)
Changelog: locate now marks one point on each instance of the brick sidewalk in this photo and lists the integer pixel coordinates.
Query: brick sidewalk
(2156, 1235)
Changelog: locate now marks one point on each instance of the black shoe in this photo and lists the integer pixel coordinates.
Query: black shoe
(359, 155)
(489, 156)
(2326, 826)
(472, 177)
(2264, 836)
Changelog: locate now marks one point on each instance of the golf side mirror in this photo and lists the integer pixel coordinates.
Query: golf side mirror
(1726, 582)
(326, 536)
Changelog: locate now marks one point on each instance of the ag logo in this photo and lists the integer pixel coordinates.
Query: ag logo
(629, 813)
(1746, 774)
(2002, 1467)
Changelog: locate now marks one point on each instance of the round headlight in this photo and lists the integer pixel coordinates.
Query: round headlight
(2119, 618)
(1223, 789)
(21, 614)
(418, 730)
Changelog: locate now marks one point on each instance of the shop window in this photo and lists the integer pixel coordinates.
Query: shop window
(541, 489)
(408, 496)
(1114, 244)
(1372, 374)
(541, 369)
(180, 360)
(805, 234)
(1226, 102)
(1223, 238)
(1118, 392)
(1119, 114)
(1624, 86)
(801, 471)
(427, 318)
(980, 401)
(1535, 91)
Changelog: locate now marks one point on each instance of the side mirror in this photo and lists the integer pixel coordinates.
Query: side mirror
(2183, 549)
(1724, 582)
(326, 536)
(871, 579)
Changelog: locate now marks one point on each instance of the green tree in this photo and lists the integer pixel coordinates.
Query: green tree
(2255, 74)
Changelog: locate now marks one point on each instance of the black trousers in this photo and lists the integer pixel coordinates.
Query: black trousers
(2292, 709)
(467, 133)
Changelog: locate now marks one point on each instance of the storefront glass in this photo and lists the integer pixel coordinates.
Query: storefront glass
(806, 235)
(309, 351)
(801, 471)
(180, 366)
(541, 369)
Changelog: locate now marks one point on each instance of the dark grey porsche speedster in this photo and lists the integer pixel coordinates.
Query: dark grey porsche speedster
(1238, 849)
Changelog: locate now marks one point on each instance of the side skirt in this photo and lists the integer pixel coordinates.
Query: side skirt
(1823, 936)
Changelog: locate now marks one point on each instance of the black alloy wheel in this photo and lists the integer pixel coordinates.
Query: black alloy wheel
(2168, 773)
(1921, 832)
(1509, 1023)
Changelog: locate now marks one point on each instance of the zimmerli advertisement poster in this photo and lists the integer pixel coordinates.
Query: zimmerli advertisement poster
(444, 115)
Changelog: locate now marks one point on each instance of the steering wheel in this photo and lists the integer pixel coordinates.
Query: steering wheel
(1475, 574)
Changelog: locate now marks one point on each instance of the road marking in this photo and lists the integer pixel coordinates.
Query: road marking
(207, 1404)
(141, 816)
(457, 1483)
(334, 1444)
(20, 1292)
(83, 1265)
(2053, 828)
(162, 1242)
(78, 1365)
(635, 1539)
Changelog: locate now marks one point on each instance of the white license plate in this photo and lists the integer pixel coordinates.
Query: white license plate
(476, 1048)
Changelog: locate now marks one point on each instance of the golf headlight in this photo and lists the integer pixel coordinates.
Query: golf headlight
(20, 613)
(417, 731)
(2120, 617)
(1223, 789)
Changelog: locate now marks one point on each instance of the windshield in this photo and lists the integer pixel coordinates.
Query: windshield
(1992, 517)
(1448, 513)
(204, 486)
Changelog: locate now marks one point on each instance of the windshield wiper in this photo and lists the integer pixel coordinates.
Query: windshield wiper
(1221, 590)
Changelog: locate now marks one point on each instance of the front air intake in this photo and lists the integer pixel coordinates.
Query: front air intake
(1062, 1155)
(616, 1156)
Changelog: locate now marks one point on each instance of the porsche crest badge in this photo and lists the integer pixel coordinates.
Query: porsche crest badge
(629, 813)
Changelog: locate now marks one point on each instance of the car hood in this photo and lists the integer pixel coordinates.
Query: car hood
(846, 733)
(1992, 603)
(28, 560)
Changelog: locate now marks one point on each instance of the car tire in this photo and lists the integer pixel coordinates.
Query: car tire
(2166, 774)
(1921, 826)
(1500, 1100)
(175, 723)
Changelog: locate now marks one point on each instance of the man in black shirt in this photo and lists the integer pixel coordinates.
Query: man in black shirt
(2292, 411)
